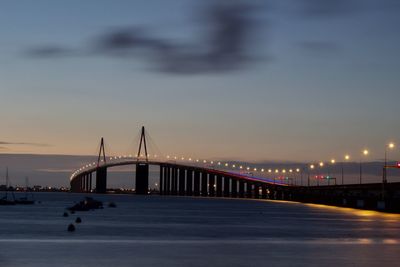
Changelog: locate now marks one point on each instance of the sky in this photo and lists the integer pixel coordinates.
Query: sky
(258, 80)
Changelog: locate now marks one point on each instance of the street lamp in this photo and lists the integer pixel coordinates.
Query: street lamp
(346, 158)
(298, 171)
(312, 167)
(388, 146)
(365, 153)
(321, 165)
(333, 162)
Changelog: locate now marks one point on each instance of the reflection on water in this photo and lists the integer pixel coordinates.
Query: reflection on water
(174, 231)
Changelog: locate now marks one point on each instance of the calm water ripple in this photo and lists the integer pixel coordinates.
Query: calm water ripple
(177, 231)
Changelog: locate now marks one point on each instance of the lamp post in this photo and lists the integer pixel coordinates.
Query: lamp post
(346, 158)
(387, 147)
(384, 177)
(365, 153)
(312, 167)
(301, 176)
(333, 162)
(321, 165)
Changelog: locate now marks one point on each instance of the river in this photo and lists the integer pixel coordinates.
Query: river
(184, 231)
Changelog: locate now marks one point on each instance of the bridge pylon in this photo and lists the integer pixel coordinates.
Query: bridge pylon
(102, 153)
(101, 171)
(142, 168)
(143, 141)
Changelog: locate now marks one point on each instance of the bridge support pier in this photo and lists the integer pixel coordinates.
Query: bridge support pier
(189, 182)
(142, 178)
(249, 189)
(168, 181)
(174, 181)
(161, 182)
(234, 191)
(74, 185)
(83, 180)
(227, 181)
(241, 188)
(101, 180)
(219, 186)
(182, 181)
(256, 190)
(196, 186)
(91, 182)
(211, 185)
(204, 184)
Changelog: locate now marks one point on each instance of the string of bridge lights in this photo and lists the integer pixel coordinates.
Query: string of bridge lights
(235, 166)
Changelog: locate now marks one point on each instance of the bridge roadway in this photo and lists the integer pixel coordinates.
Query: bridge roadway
(185, 180)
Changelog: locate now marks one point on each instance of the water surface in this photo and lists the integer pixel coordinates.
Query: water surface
(183, 231)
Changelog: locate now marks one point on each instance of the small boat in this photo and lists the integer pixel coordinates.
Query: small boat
(86, 205)
(25, 200)
(5, 201)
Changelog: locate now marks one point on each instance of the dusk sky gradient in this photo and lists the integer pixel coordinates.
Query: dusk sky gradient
(317, 81)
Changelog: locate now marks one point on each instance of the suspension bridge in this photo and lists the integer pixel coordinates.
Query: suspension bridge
(191, 178)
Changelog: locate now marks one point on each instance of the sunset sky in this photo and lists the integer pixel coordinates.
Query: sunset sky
(266, 80)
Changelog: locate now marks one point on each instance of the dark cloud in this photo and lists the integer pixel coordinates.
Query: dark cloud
(224, 47)
(50, 51)
(328, 8)
(24, 144)
(124, 41)
(320, 47)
